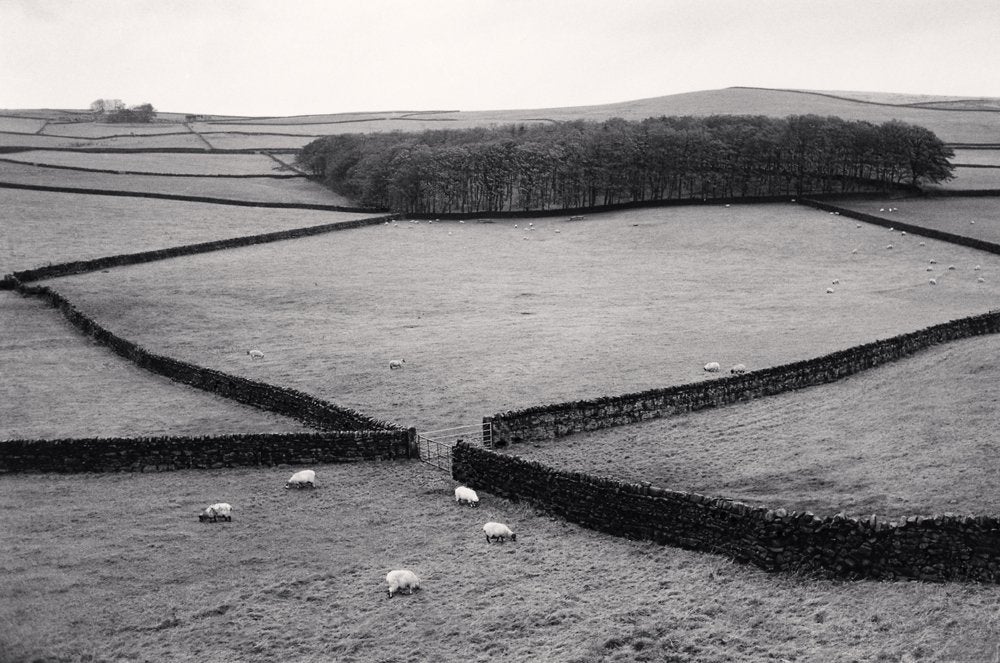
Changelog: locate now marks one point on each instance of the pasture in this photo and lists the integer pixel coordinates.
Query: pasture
(186, 163)
(263, 141)
(490, 317)
(121, 569)
(102, 129)
(977, 157)
(872, 443)
(20, 124)
(971, 179)
(41, 228)
(976, 217)
(298, 190)
(63, 385)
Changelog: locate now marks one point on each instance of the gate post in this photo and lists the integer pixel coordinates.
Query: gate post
(488, 432)
(412, 449)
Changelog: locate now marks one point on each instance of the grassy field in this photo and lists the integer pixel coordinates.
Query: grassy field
(40, 228)
(977, 157)
(872, 443)
(20, 124)
(970, 179)
(154, 162)
(223, 141)
(34, 140)
(60, 385)
(298, 190)
(124, 571)
(953, 215)
(488, 320)
(100, 129)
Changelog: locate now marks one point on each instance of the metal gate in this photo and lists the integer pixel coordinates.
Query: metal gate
(435, 446)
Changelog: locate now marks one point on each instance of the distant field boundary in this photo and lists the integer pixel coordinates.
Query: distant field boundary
(109, 171)
(160, 454)
(937, 548)
(920, 105)
(147, 150)
(297, 405)
(12, 281)
(181, 197)
(547, 422)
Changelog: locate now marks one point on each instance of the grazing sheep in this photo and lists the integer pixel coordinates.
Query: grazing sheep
(829, 291)
(933, 262)
(464, 494)
(396, 363)
(951, 267)
(738, 369)
(933, 281)
(930, 269)
(727, 205)
(498, 531)
(923, 243)
(881, 209)
(903, 233)
(977, 268)
(889, 247)
(255, 354)
(854, 251)
(836, 282)
(980, 280)
(302, 479)
(858, 226)
(219, 511)
(890, 228)
(972, 223)
(402, 579)
(712, 367)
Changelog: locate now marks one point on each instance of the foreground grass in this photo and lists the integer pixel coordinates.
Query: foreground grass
(40, 228)
(58, 384)
(117, 567)
(913, 437)
(487, 320)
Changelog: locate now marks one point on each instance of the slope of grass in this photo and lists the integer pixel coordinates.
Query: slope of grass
(977, 157)
(976, 217)
(125, 571)
(489, 321)
(299, 190)
(914, 437)
(182, 164)
(225, 141)
(100, 129)
(58, 384)
(41, 228)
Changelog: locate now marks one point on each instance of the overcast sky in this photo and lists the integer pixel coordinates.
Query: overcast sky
(290, 57)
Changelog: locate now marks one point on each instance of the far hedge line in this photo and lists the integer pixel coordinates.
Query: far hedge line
(147, 173)
(190, 199)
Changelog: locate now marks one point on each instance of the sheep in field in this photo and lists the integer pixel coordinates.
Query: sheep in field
(829, 291)
(738, 369)
(255, 354)
(498, 531)
(302, 479)
(933, 281)
(464, 494)
(219, 511)
(402, 579)
(712, 367)
(396, 363)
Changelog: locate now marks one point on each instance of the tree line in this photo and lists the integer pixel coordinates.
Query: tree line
(115, 111)
(582, 164)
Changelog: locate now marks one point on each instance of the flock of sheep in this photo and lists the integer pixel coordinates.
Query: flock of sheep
(889, 247)
(398, 579)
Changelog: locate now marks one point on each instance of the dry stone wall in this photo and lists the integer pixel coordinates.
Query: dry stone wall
(548, 422)
(157, 454)
(938, 548)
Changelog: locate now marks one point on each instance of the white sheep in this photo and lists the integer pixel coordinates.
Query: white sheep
(923, 243)
(951, 267)
(712, 367)
(977, 268)
(302, 479)
(858, 225)
(738, 369)
(933, 262)
(402, 579)
(889, 247)
(829, 291)
(255, 354)
(930, 269)
(215, 512)
(933, 281)
(464, 494)
(980, 280)
(836, 282)
(498, 531)
(396, 363)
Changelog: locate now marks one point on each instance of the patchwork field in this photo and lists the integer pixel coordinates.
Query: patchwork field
(156, 162)
(102, 129)
(223, 141)
(873, 443)
(298, 190)
(127, 572)
(971, 179)
(976, 217)
(40, 228)
(20, 124)
(977, 157)
(491, 317)
(65, 385)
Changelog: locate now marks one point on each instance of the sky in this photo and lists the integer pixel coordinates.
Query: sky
(296, 57)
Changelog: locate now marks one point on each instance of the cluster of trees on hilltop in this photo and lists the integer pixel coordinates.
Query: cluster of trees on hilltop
(114, 110)
(585, 164)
